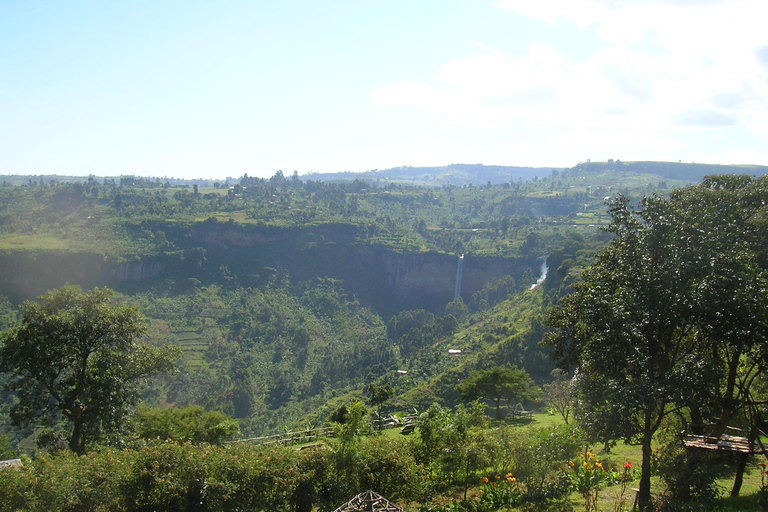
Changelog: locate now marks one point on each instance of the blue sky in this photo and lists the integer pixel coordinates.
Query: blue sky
(207, 90)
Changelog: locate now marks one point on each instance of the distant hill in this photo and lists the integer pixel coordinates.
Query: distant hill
(454, 174)
(479, 174)
(674, 170)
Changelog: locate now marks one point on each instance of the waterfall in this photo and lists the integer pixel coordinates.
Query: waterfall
(544, 270)
(457, 288)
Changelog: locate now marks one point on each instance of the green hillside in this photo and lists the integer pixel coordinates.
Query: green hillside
(279, 290)
(293, 302)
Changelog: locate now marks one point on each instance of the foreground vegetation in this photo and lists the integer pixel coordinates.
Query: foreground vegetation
(677, 293)
(511, 466)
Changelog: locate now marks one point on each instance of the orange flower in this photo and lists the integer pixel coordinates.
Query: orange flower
(484, 480)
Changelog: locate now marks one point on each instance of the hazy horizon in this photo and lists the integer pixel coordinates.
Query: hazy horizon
(209, 91)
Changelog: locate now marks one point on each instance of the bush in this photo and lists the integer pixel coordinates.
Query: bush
(185, 477)
(538, 457)
(63, 481)
(192, 423)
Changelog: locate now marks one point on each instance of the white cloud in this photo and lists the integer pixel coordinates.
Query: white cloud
(740, 156)
(709, 25)
(485, 89)
(666, 68)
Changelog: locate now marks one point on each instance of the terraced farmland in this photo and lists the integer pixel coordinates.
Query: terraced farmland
(193, 345)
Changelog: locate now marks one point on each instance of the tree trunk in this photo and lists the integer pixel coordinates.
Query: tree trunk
(721, 425)
(644, 494)
(692, 458)
(742, 465)
(76, 441)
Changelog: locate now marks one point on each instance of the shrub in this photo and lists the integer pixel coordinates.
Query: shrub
(538, 457)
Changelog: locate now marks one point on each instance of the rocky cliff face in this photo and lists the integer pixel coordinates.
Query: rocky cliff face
(28, 274)
(131, 271)
(387, 280)
(430, 278)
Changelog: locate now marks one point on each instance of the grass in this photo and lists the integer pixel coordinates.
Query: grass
(610, 498)
(747, 501)
(621, 453)
(193, 346)
(39, 242)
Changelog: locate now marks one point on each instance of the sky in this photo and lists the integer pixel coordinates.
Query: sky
(196, 89)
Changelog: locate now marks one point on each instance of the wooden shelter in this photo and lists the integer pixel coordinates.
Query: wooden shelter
(368, 501)
(733, 440)
(519, 412)
(744, 443)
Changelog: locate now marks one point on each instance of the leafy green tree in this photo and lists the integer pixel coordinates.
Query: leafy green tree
(727, 234)
(450, 442)
(432, 425)
(497, 384)
(665, 312)
(76, 357)
(379, 395)
(6, 449)
(725, 229)
(622, 331)
(192, 423)
(347, 447)
(558, 394)
(457, 308)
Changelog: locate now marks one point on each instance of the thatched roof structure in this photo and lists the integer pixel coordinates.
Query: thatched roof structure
(368, 501)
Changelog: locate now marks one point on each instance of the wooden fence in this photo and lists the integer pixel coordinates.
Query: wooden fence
(311, 435)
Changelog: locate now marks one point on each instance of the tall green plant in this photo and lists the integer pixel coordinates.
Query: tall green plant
(76, 357)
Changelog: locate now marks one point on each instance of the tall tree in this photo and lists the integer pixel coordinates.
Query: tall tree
(76, 357)
(622, 331)
(497, 384)
(666, 312)
(558, 394)
(379, 395)
(726, 232)
(723, 226)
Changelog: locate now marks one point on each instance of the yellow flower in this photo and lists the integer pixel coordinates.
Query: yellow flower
(484, 480)
(570, 463)
(598, 465)
(508, 475)
(511, 479)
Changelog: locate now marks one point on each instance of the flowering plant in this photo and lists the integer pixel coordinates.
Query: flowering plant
(498, 492)
(587, 476)
(762, 493)
(622, 477)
